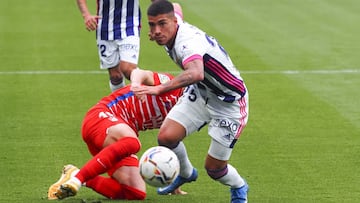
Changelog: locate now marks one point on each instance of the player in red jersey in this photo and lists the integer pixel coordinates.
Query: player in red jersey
(110, 130)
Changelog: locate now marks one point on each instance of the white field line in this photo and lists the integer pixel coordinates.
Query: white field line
(80, 72)
(294, 72)
(51, 72)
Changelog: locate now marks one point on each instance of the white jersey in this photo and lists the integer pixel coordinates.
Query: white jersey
(118, 19)
(221, 76)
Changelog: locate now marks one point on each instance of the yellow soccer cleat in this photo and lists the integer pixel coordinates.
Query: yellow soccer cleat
(68, 189)
(67, 172)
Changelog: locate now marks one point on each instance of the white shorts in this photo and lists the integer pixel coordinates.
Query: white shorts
(219, 151)
(226, 120)
(111, 52)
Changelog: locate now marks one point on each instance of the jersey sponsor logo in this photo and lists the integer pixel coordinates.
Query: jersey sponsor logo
(224, 123)
(125, 47)
(163, 78)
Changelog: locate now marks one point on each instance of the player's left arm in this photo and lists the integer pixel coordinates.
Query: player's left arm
(90, 21)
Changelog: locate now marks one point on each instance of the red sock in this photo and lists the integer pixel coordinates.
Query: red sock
(111, 189)
(131, 193)
(105, 186)
(107, 157)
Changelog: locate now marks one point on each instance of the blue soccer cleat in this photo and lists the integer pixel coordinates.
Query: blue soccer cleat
(239, 195)
(177, 183)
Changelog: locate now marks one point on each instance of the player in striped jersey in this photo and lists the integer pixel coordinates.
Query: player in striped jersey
(117, 25)
(218, 97)
(110, 130)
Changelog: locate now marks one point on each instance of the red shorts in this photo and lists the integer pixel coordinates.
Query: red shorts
(94, 131)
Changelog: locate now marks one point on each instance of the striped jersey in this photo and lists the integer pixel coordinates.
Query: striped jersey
(118, 19)
(221, 76)
(148, 114)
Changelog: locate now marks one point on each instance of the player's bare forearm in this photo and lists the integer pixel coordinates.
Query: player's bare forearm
(139, 76)
(193, 73)
(83, 7)
(182, 80)
(89, 20)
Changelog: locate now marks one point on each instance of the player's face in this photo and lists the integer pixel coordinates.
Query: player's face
(163, 28)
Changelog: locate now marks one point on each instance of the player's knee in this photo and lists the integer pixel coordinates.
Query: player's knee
(116, 79)
(169, 145)
(126, 68)
(136, 144)
(132, 144)
(167, 141)
(170, 136)
(163, 138)
(217, 173)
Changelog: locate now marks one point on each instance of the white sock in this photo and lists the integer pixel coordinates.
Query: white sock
(186, 167)
(75, 182)
(115, 87)
(232, 178)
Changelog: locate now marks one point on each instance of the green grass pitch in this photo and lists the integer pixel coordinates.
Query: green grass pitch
(299, 58)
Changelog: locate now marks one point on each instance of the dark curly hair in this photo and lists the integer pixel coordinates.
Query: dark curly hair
(160, 7)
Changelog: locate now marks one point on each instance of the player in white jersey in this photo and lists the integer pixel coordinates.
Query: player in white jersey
(218, 98)
(117, 26)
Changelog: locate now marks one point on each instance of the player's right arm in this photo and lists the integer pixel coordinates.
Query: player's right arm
(139, 76)
(90, 21)
(193, 73)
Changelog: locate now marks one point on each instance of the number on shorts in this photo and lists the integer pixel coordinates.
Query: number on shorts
(192, 95)
(102, 49)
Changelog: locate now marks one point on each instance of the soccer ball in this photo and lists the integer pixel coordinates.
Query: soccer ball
(159, 166)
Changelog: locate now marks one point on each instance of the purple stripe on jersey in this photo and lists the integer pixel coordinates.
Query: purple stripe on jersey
(221, 74)
(225, 97)
(97, 7)
(139, 20)
(117, 19)
(105, 20)
(130, 18)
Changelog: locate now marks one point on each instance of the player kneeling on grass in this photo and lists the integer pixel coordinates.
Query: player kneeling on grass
(110, 130)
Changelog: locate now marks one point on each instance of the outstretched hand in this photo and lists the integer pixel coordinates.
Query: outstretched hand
(142, 90)
(91, 22)
(178, 191)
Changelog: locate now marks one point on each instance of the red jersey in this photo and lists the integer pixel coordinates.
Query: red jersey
(142, 115)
